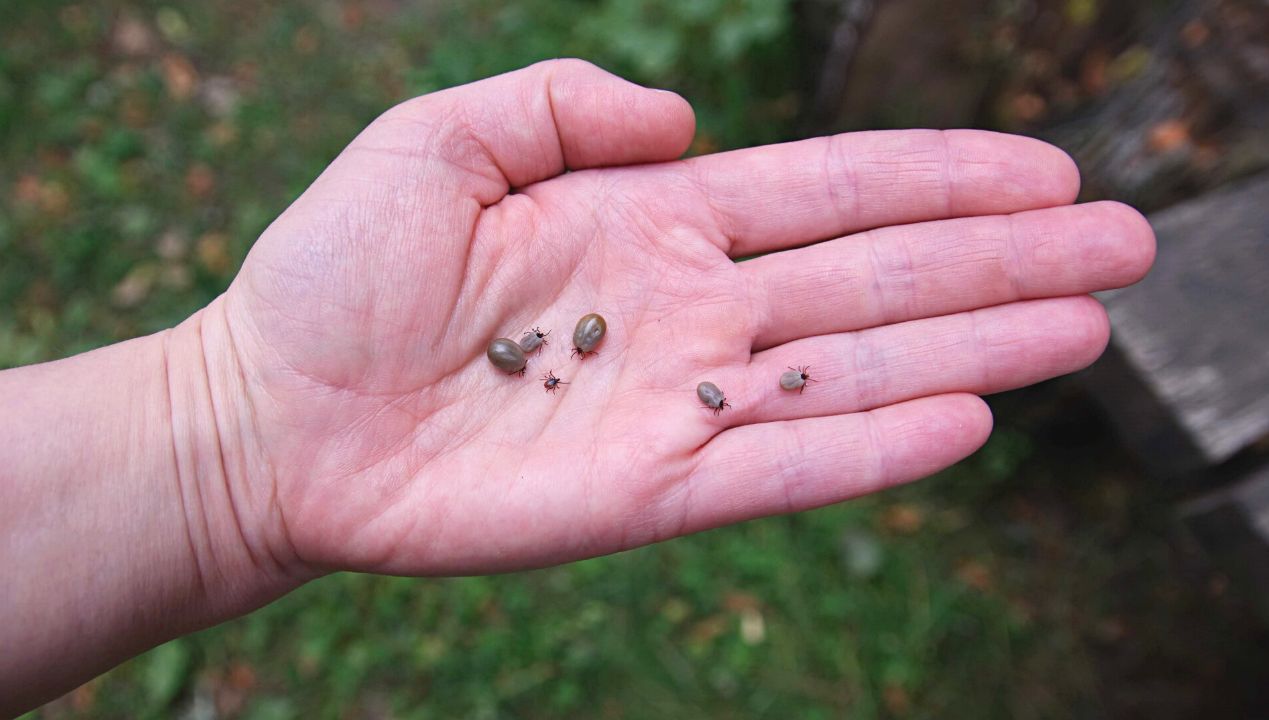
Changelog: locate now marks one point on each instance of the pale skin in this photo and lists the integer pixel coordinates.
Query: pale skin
(334, 409)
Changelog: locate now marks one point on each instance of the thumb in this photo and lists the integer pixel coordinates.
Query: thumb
(535, 123)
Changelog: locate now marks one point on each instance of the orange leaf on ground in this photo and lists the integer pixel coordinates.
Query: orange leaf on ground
(241, 676)
(1028, 107)
(1195, 33)
(896, 700)
(736, 601)
(705, 630)
(976, 575)
(213, 252)
(179, 76)
(353, 16)
(903, 519)
(1169, 135)
(54, 200)
(200, 181)
(1093, 67)
(26, 191)
(84, 697)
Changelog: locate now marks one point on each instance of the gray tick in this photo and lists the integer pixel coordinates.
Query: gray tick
(507, 356)
(533, 339)
(796, 378)
(713, 398)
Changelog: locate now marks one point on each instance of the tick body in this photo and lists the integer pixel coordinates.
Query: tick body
(713, 398)
(534, 339)
(796, 378)
(589, 331)
(550, 382)
(507, 356)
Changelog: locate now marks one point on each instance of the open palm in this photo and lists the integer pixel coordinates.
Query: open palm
(910, 270)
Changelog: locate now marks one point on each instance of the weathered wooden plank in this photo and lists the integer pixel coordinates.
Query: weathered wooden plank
(1233, 525)
(1196, 330)
(1146, 425)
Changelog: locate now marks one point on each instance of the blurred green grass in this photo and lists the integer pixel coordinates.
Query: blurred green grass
(146, 145)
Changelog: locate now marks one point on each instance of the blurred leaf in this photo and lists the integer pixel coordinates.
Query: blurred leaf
(1130, 63)
(1081, 12)
(167, 668)
(903, 518)
(172, 25)
(1169, 135)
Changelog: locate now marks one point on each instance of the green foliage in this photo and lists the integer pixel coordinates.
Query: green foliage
(163, 673)
(659, 632)
(147, 145)
(733, 58)
(769, 619)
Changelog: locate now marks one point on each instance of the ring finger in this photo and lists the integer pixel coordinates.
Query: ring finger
(981, 352)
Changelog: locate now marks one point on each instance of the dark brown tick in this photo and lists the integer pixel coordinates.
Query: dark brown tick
(550, 382)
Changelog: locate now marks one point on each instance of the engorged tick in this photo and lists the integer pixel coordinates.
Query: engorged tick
(550, 382)
(589, 331)
(507, 356)
(713, 398)
(796, 378)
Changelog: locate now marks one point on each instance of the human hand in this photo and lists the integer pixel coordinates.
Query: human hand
(361, 427)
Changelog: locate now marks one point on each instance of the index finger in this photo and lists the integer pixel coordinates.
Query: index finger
(778, 196)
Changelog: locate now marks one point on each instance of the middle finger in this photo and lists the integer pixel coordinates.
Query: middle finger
(909, 272)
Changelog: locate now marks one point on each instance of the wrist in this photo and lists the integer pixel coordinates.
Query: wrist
(133, 509)
(238, 534)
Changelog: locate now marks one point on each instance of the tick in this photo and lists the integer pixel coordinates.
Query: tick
(713, 398)
(533, 339)
(550, 382)
(589, 331)
(507, 356)
(796, 378)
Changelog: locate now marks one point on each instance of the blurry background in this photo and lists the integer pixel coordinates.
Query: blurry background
(145, 145)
